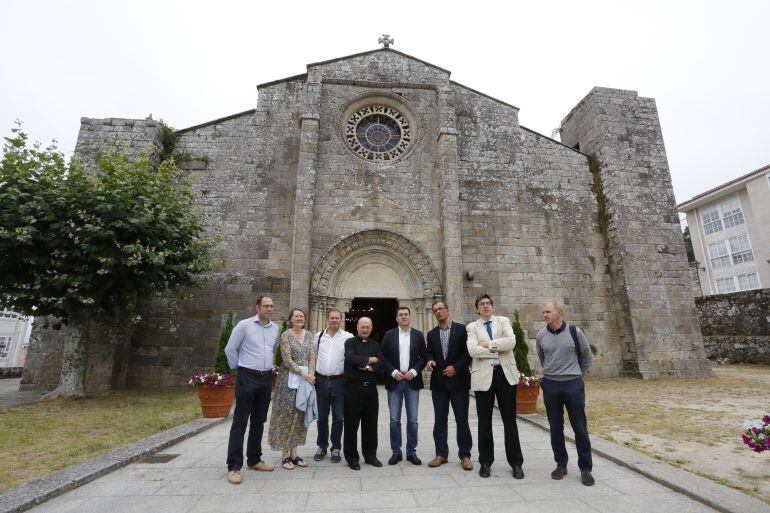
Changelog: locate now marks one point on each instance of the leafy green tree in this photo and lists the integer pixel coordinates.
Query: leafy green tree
(82, 246)
(688, 245)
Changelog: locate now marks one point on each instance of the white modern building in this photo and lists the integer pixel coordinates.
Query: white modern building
(730, 231)
(15, 330)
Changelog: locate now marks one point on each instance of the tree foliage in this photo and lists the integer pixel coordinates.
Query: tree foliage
(521, 350)
(220, 358)
(76, 243)
(688, 245)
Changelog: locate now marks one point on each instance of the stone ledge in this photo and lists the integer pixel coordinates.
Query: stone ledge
(714, 495)
(52, 485)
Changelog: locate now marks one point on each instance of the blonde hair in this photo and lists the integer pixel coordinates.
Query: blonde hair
(291, 314)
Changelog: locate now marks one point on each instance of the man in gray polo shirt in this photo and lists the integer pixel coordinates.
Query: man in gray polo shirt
(565, 355)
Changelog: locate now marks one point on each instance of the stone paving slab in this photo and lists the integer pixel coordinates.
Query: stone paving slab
(55, 484)
(195, 481)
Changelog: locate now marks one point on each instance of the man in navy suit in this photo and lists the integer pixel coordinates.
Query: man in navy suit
(403, 351)
(448, 361)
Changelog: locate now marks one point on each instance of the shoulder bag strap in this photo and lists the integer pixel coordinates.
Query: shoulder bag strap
(573, 332)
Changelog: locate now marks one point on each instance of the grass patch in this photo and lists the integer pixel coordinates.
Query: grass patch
(695, 424)
(43, 437)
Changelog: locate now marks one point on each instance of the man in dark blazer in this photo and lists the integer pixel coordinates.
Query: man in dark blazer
(403, 351)
(448, 361)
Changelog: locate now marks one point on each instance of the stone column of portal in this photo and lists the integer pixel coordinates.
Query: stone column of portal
(660, 331)
(450, 203)
(304, 199)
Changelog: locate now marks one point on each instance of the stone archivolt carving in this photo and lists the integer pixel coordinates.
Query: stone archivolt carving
(375, 246)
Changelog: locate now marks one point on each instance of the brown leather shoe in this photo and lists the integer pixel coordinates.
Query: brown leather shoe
(466, 464)
(262, 466)
(437, 461)
(586, 478)
(558, 472)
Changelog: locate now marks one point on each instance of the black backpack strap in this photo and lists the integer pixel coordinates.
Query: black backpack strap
(318, 342)
(573, 332)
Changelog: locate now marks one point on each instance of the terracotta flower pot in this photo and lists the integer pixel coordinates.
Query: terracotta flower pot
(526, 398)
(216, 402)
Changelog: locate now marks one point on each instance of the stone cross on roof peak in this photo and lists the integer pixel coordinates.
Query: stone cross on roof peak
(385, 40)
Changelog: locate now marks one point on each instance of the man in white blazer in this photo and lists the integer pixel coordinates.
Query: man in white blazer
(494, 374)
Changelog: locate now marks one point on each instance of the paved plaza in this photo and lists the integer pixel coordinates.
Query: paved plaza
(195, 482)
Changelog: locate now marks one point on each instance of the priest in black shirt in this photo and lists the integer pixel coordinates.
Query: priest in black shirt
(362, 366)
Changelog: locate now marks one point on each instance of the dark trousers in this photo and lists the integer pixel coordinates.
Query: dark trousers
(330, 395)
(252, 399)
(570, 394)
(460, 402)
(361, 407)
(506, 402)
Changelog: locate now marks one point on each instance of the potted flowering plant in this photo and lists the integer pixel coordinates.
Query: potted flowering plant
(757, 435)
(216, 386)
(528, 387)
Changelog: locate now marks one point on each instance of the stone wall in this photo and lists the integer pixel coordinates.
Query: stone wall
(529, 224)
(651, 286)
(736, 326)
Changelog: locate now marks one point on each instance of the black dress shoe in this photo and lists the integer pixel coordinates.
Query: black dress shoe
(354, 466)
(518, 473)
(413, 459)
(373, 462)
(395, 458)
(485, 471)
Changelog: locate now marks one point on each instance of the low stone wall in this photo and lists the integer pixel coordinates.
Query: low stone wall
(736, 326)
(10, 372)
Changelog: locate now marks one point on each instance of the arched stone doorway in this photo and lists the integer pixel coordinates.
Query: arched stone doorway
(374, 264)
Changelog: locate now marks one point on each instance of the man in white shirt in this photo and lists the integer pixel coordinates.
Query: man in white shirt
(404, 358)
(330, 385)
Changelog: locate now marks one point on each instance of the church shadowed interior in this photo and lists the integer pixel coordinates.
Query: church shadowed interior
(382, 312)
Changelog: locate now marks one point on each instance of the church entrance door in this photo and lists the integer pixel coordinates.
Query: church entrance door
(381, 310)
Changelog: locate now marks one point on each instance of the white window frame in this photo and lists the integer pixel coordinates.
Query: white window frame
(735, 283)
(5, 345)
(721, 258)
(734, 216)
(730, 251)
(711, 225)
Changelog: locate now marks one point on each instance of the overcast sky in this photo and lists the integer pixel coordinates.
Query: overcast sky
(706, 63)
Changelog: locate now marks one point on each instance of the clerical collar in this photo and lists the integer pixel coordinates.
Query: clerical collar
(557, 330)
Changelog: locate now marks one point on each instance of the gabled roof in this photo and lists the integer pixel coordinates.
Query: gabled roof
(375, 51)
(725, 188)
(352, 56)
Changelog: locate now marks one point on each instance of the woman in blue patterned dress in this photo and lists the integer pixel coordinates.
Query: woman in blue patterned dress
(287, 423)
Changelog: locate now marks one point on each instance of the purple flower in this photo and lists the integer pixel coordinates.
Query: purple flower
(766, 419)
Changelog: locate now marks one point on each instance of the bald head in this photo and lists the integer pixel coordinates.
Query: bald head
(364, 327)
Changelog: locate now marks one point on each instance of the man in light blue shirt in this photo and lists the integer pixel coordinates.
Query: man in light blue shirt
(251, 350)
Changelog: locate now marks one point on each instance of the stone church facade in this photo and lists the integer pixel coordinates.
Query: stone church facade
(374, 180)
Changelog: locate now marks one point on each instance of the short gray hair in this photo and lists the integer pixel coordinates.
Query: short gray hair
(557, 304)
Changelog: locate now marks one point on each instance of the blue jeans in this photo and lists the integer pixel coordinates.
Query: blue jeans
(401, 393)
(558, 395)
(330, 395)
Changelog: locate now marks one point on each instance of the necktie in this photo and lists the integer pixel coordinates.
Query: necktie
(488, 324)
(445, 342)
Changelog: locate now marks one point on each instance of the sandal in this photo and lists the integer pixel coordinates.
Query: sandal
(300, 462)
(288, 464)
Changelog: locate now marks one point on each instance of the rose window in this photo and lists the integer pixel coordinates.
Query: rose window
(378, 132)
